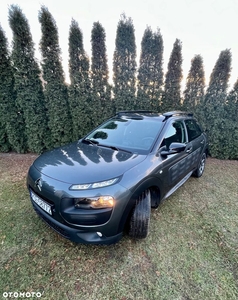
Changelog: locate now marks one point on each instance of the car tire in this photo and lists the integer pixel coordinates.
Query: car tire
(140, 218)
(201, 166)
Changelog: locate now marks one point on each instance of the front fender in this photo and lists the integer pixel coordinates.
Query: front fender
(149, 183)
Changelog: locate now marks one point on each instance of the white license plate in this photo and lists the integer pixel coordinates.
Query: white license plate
(46, 207)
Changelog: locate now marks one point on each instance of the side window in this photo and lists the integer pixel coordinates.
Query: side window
(175, 133)
(193, 129)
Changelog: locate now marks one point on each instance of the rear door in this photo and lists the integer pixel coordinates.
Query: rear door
(195, 143)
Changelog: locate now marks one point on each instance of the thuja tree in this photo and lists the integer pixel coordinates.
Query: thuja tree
(124, 65)
(150, 73)
(28, 86)
(55, 91)
(6, 92)
(101, 108)
(79, 89)
(230, 138)
(172, 89)
(195, 85)
(231, 105)
(214, 102)
(12, 132)
(4, 144)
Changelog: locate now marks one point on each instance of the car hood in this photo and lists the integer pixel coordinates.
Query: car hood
(80, 163)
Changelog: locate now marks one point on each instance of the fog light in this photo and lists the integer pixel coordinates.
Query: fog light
(99, 234)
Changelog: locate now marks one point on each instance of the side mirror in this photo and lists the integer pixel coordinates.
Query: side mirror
(173, 149)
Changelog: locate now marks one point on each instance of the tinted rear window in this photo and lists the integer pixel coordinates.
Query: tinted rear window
(193, 129)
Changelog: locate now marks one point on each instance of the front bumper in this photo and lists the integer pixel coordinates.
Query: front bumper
(75, 235)
(102, 226)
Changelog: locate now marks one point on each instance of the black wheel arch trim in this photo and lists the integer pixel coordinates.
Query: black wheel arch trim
(148, 183)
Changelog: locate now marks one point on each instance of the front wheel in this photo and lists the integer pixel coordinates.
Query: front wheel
(201, 166)
(140, 218)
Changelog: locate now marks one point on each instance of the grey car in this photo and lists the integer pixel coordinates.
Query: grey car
(105, 184)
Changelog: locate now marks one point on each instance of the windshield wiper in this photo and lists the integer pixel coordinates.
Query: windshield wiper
(96, 143)
(93, 142)
(114, 148)
(124, 150)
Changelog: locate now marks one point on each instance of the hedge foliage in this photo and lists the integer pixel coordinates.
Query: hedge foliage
(39, 111)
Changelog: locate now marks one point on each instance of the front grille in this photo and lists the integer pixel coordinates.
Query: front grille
(51, 224)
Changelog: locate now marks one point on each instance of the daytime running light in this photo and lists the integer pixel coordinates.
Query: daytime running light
(93, 185)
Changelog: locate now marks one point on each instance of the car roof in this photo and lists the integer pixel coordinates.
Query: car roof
(139, 114)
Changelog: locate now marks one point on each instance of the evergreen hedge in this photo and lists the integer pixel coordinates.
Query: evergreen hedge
(124, 65)
(12, 132)
(150, 71)
(55, 90)
(27, 83)
(80, 89)
(39, 111)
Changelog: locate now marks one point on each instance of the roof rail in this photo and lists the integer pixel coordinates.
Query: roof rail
(170, 114)
(133, 112)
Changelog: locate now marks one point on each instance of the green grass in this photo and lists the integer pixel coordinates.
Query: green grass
(190, 253)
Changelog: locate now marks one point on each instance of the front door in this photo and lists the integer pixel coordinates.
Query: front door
(173, 168)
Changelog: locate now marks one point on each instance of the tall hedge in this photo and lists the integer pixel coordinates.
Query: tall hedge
(195, 85)
(230, 136)
(4, 142)
(60, 122)
(80, 86)
(150, 72)
(124, 65)
(12, 132)
(214, 104)
(101, 89)
(172, 88)
(28, 86)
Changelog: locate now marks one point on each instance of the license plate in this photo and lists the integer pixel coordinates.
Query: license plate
(46, 207)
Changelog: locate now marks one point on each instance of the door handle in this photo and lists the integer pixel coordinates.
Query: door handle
(189, 150)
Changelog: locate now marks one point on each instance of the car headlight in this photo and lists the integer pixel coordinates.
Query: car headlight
(93, 185)
(94, 202)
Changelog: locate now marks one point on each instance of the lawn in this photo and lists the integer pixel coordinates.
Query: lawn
(190, 253)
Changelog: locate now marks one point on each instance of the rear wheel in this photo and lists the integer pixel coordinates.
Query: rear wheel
(140, 218)
(201, 166)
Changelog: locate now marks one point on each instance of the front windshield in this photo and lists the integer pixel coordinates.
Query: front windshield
(135, 135)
